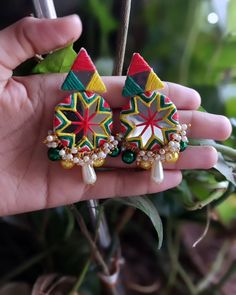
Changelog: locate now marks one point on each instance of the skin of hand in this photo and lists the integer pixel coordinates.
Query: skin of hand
(28, 180)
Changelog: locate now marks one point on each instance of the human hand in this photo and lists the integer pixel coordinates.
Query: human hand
(28, 181)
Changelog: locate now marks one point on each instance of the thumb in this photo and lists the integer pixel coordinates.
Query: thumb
(31, 36)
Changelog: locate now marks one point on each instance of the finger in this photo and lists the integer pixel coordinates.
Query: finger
(31, 36)
(109, 184)
(206, 125)
(126, 183)
(199, 157)
(183, 97)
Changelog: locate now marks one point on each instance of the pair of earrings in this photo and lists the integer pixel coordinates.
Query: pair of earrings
(82, 126)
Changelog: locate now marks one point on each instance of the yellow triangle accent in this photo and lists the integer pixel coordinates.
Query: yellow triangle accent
(153, 82)
(96, 84)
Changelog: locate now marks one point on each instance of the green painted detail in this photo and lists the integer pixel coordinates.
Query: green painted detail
(131, 88)
(98, 138)
(183, 146)
(152, 144)
(86, 143)
(168, 133)
(129, 128)
(68, 138)
(131, 106)
(53, 154)
(115, 152)
(128, 157)
(88, 99)
(61, 119)
(107, 125)
(148, 99)
(163, 103)
(72, 83)
(102, 106)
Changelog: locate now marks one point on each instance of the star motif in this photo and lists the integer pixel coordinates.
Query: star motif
(80, 122)
(146, 122)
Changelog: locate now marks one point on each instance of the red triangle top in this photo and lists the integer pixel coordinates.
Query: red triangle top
(83, 62)
(138, 65)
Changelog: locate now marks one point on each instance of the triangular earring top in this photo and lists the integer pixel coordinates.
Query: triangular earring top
(83, 75)
(140, 77)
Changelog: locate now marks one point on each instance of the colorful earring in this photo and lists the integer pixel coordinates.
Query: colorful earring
(151, 133)
(82, 121)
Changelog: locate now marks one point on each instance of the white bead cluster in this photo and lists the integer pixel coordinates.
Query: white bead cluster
(51, 140)
(166, 153)
(147, 156)
(81, 158)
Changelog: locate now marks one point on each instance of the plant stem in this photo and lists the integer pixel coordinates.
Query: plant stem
(193, 22)
(81, 277)
(96, 253)
(122, 37)
(215, 268)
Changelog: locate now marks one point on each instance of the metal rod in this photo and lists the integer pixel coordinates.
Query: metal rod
(46, 9)
(122, 37)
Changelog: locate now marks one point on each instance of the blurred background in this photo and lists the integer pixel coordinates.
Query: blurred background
(188, 42)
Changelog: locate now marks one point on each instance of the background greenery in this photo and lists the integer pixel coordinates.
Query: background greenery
(183, 47)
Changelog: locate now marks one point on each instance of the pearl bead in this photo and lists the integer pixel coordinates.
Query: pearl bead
(157, 173)
(150, 154)
(115, 142)
(107, 151)
(183, 133)
(106, 145)
(101, 155)
(76, 160)
(86, 159)
(94, 157)
(145, 158)
(162, 151)
(184, 127)
(67, 164)
(69, 157)
(74, 150)
(111, 138)
(88, 174)
(54, 144)
(50, 138)
(184, 138)
(62, 152)
(178, 128)
(142, 153)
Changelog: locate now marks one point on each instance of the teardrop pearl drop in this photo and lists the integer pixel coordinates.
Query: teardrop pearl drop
(88, 174)
(157, 173)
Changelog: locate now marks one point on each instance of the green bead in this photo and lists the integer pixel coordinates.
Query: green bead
(115, 152)
(53, 154)
(183, 146)
(128, 157)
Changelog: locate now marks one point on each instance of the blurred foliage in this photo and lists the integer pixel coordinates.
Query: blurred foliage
(177, 40)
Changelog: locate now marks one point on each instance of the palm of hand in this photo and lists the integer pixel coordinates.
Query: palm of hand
(28, 180)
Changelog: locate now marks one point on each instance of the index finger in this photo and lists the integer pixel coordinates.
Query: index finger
(183, 97)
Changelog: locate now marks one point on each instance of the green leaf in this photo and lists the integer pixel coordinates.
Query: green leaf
(222, 166)
(59, 61)
(227, 210)
(231, 24)
(225, 169)
(146, 206)
(230, 106)
(101, 12)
